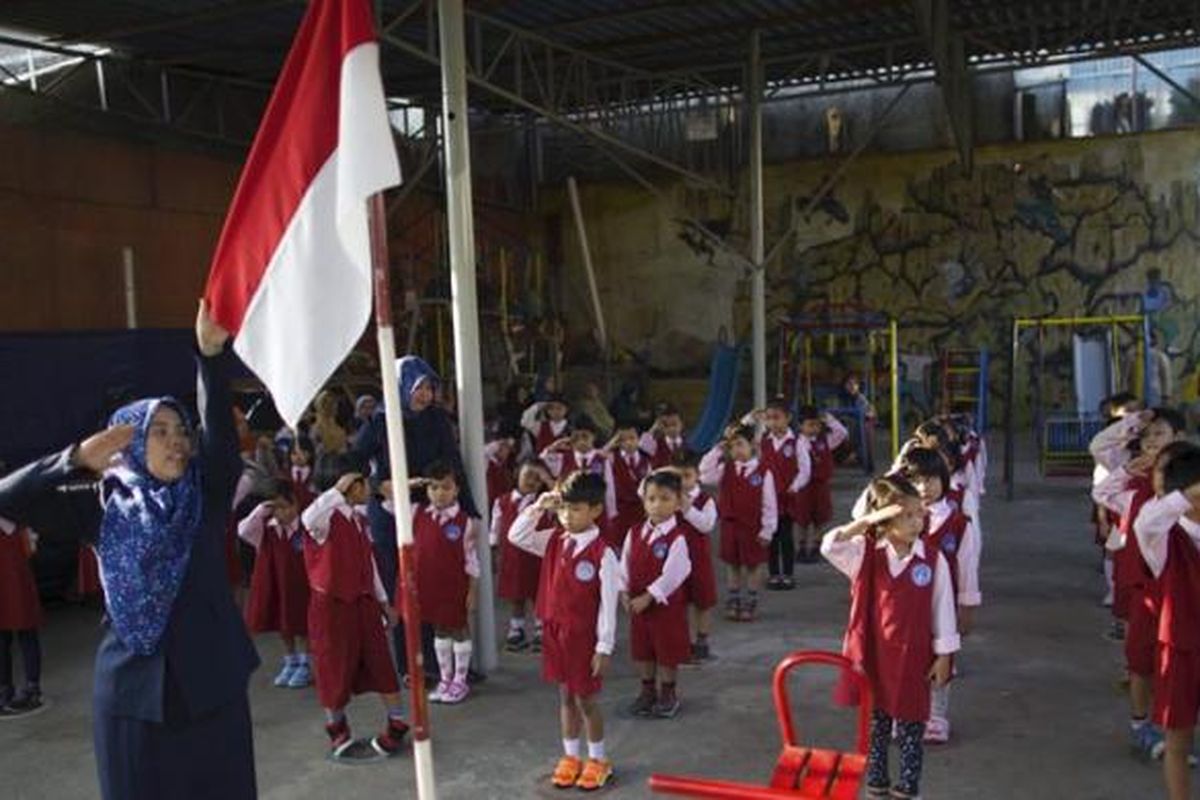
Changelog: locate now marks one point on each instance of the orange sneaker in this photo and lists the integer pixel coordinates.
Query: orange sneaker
(567, 772)
(596, 774)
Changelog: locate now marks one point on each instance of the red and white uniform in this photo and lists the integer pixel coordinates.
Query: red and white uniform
(660, 449)
(623, 474)
(699, 519)
(790, 463)
(901, 618)
(20, 608)
(577, 598)
(543, 432)
(499, 473)
(346, 621)
(279, 586)
(447, 562)
(952, 532)
(1170, 544)
(519, 570)
(655, 561)
(814, 505)
(746, 504)
(302, 487)
(563, 462)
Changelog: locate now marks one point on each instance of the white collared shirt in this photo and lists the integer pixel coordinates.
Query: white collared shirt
(703, 519)
(676, 567)
(1153, 527)
(522, 501)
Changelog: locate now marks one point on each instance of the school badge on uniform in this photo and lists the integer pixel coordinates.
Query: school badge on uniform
(453, 532)
(788, 451)
(585, 571)
(660, 550)
(949, 543)
(922, 575)
(756, 479)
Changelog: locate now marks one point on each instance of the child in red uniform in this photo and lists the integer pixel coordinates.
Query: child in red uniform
(279, 585)
(500, 453)
(665, 437)
(348, 609)
(699, 517)
(788, 459)
(624, 469)
(545, 422)
(1168, 532)
(576, 451)
(1137, 594)
(447, 575)
(301, 456)
(20, 618)
(902, 629)
(749, 515)
(951, 532)
(519, 569)
(577, 602)
(654, 567)
(814, 505)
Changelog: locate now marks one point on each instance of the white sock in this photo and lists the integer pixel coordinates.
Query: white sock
(571, 747)
(1108, 574)
(939, 702)
(516, 624)
(596, 750)
(462, 660)
(444, 648)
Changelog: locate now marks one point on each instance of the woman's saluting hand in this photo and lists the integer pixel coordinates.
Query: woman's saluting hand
(210, 337)
(96, 452)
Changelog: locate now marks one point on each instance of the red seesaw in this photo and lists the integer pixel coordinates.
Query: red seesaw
(800, 772)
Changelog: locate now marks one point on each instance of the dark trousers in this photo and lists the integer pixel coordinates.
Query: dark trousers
(783, 549)
(31, 657)
(912, 753)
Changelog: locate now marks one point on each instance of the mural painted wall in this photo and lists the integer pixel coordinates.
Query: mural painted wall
(1082, 227)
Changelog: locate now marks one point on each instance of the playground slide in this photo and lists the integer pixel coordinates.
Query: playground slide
(722, 386)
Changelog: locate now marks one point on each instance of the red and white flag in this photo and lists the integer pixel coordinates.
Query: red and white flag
(291, 276)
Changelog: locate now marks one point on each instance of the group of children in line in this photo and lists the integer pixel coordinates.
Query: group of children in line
(1147, 493)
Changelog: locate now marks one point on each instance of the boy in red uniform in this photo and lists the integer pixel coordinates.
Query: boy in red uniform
(575, 452)
(501, 454)
(665, 437)
(1168, 532)
(699, 518)
(749, 515)
(577, 602)
(447, 575)
(902, 628)
(786, 455)
(624, 469)
(279, 585)
(1137, 594)
(953, 533)
(545, 422)
(814, 505)
(20, 618)
(654, 567)
(519, 570)
(348, 609)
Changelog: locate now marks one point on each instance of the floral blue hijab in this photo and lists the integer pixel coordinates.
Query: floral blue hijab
(412, 370)
(146, 534)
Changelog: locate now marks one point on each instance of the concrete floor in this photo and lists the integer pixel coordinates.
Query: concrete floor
(1035, 711)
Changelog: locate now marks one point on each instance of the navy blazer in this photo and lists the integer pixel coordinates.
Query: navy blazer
(205, 653)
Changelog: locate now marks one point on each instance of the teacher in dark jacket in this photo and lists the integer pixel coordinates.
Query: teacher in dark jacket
(428, 438)
(171, 712)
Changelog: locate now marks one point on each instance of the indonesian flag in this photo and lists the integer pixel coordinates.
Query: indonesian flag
(291, 276)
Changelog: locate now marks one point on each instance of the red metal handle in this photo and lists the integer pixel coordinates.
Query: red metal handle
(783, 707)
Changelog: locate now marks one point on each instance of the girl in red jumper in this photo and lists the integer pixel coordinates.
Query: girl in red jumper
(519, 569)
(788, 459)
(699, 517)
(20, 618)
(447, 574)
(822, 434)
(902, 627)
(279, 585)
(348, 611)
(624, 469)
(749, 514)
(654, 567)
(545, 422)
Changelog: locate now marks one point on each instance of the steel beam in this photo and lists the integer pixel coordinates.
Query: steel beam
(953, 73)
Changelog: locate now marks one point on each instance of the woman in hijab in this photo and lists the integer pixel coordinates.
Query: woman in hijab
(428, 438)
(171, 712)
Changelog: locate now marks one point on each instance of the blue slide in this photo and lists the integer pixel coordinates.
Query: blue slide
(722, 386)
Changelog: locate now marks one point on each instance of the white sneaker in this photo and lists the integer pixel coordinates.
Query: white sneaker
(1108, 599)
(438, 695)
(937, 731)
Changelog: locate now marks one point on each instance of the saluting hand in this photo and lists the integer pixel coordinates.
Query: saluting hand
(96, 452)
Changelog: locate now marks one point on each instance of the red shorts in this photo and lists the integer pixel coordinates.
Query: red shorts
(350, 650)
(741, 547)
(519, 573)
(1141, 633)
(567, 659)
(701, 585)
(1176, 688)
(660, 634)
(813, 504)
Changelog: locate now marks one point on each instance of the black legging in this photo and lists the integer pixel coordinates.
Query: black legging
(31, 657)
(783, 550)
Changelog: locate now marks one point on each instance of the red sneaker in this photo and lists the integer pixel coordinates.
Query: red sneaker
(391, 740)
